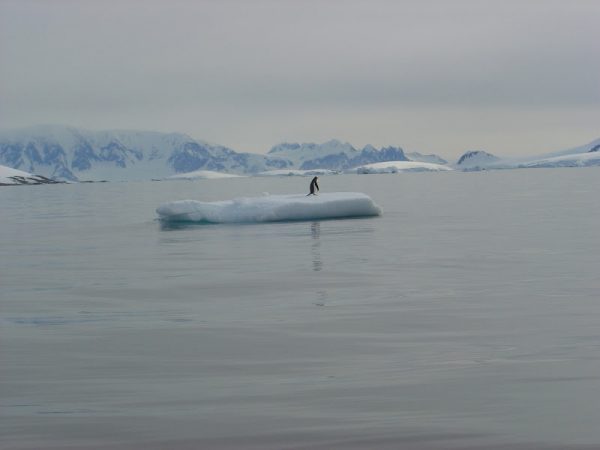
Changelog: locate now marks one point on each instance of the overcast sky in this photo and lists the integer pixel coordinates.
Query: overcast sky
(508, 76)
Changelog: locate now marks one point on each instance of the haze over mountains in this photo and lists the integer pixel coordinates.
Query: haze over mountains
(72, 154)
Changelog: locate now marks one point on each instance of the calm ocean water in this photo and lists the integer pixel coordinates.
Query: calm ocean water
(467, 316)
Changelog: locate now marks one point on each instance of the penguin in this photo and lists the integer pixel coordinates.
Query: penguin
(313, 185)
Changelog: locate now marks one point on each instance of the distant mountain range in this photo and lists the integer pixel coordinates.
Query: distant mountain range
(67, 153)
(72, 154)
(333, 155)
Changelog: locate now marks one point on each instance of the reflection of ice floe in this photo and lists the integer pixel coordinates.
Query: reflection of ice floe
(321, 298)
(315, 231)
(271, 208)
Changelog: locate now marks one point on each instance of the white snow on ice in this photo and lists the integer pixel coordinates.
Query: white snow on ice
(6, 174)
(400, 166)
(271, 208)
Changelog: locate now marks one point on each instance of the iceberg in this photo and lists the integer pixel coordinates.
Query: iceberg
(271, 208)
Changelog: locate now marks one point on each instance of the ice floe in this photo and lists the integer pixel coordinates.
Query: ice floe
(271, 208)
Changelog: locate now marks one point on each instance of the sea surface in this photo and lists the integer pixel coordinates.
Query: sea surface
(467, 316)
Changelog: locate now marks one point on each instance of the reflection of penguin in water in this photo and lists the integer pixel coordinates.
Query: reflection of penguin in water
(313, 185)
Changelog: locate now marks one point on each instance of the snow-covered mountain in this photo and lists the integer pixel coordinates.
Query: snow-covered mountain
(69, 153)
(72, 154)
(10, 176)
(333, 155)
(574, 160)
(475, 160)
(581, 156)
(434, 159)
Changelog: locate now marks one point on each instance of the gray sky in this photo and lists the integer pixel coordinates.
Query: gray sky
(508, 76)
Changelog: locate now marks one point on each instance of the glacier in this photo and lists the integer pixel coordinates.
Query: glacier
(202, 175)
(590, 158)
(582, 156)
(296, 173)
(271, 208)
(400, 166)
